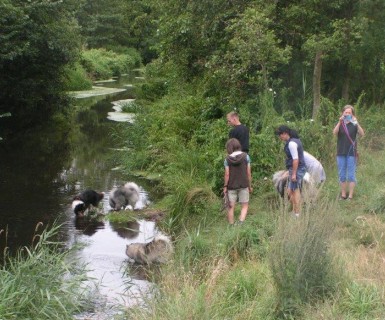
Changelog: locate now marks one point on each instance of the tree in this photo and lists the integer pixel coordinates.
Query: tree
(38, 39)
(118, 23)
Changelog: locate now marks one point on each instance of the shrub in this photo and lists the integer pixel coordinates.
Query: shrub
(77, 78)
(103, 64)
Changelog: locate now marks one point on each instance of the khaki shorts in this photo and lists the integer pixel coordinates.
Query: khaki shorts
(241, 194)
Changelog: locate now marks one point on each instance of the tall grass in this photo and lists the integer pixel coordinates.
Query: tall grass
(300, 259)
(39, 282)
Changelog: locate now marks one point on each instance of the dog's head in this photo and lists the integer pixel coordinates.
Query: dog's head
(78, 207)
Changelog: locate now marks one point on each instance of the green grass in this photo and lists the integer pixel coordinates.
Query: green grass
(328, 264)
(41, 282)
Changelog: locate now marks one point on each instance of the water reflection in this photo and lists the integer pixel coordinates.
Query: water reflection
(114, 283)
(39, 176)
(129, 231)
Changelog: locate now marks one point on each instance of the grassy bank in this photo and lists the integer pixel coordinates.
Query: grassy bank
(329, 264)
(326, 265)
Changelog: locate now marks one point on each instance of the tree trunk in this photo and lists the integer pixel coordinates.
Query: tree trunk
(346, 86)
(317, 83)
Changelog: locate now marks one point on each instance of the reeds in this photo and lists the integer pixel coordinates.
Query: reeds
(39, 282)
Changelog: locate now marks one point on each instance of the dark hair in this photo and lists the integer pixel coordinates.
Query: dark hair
(285, 129)
(233, 145)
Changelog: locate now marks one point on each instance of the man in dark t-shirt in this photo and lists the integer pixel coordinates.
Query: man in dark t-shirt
(239, 131)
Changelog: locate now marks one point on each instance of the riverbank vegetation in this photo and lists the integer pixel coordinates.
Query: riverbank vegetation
(41, 281)
(323, 265)
(274, 62)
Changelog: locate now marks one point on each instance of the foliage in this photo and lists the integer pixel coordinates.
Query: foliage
(361, 301)
(77, 78)
(39, 38)
(116, 23)
(41, 282)
(103, 64)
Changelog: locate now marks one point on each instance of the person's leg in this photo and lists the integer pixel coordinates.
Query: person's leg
(294, 196)
(295, 190)
(351, 169)
(296, 201)
(244, 200)
(342, 168)
(232, 200)
(230, 213)
(245, 207)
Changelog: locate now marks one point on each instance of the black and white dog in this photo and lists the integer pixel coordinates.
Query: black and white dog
(84, 200)
(159, 250)
(123, 196)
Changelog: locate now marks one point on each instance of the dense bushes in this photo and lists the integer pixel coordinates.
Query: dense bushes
(103, 64)
(100, 64)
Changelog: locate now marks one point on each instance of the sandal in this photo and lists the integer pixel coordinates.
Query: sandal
(343, 198)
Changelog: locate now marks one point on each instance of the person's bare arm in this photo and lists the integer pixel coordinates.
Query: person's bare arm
(249, 177)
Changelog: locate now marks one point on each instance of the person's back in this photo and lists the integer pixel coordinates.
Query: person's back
(239, 131)
(237, 179)
(314, 167)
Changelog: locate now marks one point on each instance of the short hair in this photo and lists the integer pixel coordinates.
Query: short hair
(348, 106)
(233, 145)
(233, 114)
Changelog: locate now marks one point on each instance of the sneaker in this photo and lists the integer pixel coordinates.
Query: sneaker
(343, 198)
(239, 223)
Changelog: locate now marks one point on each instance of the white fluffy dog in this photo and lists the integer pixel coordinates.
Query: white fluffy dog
(159, 250)
(123, 196)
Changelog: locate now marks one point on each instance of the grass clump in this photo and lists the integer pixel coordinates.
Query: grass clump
(40, 282)
(361, 301)
(300, 259)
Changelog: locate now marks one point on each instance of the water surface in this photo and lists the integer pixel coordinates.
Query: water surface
(40, 174)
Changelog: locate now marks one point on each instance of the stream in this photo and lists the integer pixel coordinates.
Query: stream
(40, 175)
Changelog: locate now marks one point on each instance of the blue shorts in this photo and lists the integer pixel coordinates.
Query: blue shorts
(346, 168)
(293, 185)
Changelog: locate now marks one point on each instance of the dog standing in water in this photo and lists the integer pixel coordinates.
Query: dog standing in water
(123, 196)
(158, 250)
(86, 199)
